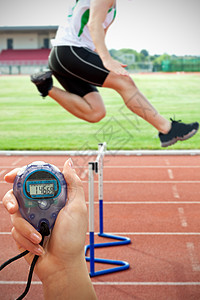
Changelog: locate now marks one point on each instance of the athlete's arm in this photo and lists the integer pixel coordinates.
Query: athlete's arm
(106, 29)
(98, 12)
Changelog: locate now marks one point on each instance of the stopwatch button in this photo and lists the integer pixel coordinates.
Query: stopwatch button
(32, 216)
(19, 185)
(54, 215)
(44, 204)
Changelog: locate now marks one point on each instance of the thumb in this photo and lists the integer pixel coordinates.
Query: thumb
(74, 184)
(10, 177)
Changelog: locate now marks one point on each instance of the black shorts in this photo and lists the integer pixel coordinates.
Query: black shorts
(79, 70)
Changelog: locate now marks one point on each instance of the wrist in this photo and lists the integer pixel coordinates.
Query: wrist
(105, 57)
(61, 269)
(70, 282)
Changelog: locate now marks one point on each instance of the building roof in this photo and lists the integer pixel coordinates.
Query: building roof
(28, 28)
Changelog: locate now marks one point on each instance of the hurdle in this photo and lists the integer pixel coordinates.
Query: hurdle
(96, 167)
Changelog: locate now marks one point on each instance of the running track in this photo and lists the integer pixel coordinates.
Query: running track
(154, 200)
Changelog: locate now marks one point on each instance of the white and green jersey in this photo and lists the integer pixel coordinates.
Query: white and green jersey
(75, 31)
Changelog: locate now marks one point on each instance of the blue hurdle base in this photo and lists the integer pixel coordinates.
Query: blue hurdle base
(121, 240)
(121, 265)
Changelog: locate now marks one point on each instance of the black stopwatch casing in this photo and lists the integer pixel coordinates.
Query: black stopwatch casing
(41, 191)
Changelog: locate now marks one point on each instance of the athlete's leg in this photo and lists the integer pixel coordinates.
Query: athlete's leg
(136, 101)
(89, 107)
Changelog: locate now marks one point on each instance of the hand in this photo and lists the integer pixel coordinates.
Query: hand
(65, 247)
(115, 66)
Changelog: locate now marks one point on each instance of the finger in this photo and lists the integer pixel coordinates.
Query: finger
(29, 257)
(74, 184)
(25, 229)
(10, 177)
(72, 179)
(123, 72)
(10, 202)
(26, 244)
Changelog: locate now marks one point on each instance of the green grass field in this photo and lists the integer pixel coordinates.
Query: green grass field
(28, 122)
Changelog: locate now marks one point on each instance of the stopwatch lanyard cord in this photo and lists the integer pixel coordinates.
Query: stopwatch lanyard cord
(30, 275)
(44, 230)
(13, 259)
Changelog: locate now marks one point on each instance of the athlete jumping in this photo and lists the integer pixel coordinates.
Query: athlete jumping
(81, 62)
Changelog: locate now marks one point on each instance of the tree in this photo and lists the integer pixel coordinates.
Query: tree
(144, 52)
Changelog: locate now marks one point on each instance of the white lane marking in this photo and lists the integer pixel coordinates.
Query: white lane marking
(167, 162)
(146, 181)
(17, 161)
(20, 282)
(146, 202)
(148, 283)
(170, 174)
(126, 283)
(154, 233)
(84, 174)
(5, 233)
(142, 202)
(138, 233)
(182, 217)
(175, 192)
(125, 167)
(193, 257)
(2, 172)
(151, 167)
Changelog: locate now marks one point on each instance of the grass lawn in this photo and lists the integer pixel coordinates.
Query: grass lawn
(29, 122)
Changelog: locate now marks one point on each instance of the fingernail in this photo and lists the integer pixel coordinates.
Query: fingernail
(39, 250)
(10, 206)
(6, 176)
(35, 238)
(70, 163)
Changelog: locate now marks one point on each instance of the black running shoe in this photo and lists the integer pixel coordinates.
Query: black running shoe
(178, 132)
(43, 81)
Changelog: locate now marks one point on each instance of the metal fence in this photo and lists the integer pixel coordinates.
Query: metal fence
(21, 67)
(181, 65)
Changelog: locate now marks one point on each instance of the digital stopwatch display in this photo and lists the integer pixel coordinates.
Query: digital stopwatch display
(41, 188)
(46, 186)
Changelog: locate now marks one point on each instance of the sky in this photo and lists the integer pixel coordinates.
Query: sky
(159, 26)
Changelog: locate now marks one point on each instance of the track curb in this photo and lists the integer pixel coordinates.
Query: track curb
(108, 152)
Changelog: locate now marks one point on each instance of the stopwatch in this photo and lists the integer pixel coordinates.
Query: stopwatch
(41, 191)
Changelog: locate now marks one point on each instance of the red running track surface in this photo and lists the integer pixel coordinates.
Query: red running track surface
(153, 200)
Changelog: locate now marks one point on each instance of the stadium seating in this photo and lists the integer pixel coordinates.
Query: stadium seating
(23, 57)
